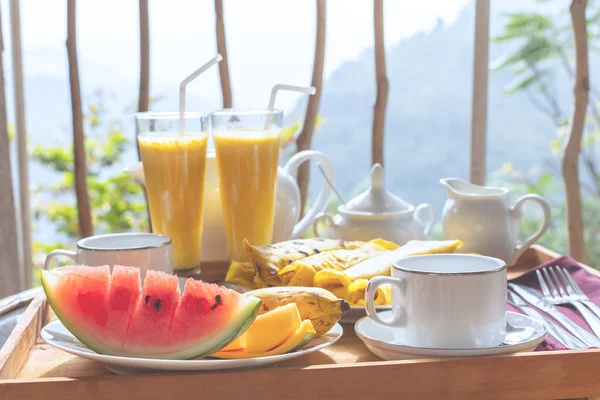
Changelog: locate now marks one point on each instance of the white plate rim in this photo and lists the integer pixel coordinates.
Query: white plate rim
(207, 364)
(357, 312)
(403, 349)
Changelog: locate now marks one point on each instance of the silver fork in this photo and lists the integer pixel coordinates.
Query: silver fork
(576, 293)
(555, 293)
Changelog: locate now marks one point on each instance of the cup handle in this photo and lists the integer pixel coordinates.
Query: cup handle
(322, 217)
(430, 221)
(398, 313)
(55, 253)
(291, 168)
(543, 227)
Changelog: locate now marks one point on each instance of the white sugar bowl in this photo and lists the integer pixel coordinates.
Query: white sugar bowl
(377, 213)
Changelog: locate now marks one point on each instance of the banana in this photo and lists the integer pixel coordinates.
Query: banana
(319, 305)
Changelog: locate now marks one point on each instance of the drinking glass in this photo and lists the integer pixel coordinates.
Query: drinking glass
(174, 171)
(247, 146)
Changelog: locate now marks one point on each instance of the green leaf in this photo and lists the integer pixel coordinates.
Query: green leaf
(523, 82)
(555, 146)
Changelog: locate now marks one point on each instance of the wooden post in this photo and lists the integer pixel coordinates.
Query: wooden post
(480, 88)
(310, 118)
(570, 161)
(11, 281)
(81, 191)
(144, 96)
(21, 136)
(222, 49)
(380, 106)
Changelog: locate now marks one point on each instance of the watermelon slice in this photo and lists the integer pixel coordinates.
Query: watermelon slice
(111, 314)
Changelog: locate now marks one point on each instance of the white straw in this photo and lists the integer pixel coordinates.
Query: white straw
(290, 88)
(184, 83)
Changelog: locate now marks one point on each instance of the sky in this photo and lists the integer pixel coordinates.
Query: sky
(269, 41)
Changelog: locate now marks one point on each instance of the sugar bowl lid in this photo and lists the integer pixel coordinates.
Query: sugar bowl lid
(377, 199)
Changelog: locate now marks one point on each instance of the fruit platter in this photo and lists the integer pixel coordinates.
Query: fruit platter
(118, 320)
(108, 314)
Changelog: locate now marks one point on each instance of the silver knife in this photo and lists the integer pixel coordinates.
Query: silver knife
(559, 334)
(538, 301)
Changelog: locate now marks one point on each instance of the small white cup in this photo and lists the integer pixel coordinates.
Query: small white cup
(445, 301)
(143, 250)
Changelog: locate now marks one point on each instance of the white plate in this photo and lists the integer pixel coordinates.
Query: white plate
(55, 334)
(380, 341)
(357, 312)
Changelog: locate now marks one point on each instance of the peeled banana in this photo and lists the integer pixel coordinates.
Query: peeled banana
(317, 304)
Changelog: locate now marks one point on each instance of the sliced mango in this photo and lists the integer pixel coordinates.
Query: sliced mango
(235, 344)
(304, 334)
(268, 330)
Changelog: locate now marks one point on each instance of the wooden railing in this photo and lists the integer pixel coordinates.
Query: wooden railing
(13, 279)
(11, 273)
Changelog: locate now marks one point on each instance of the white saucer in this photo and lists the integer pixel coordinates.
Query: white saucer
(357, 312)
(380, 341)
(55, 334)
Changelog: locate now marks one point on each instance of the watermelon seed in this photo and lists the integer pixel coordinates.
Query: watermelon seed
(157, 304)
(146, 299)
(218, 302)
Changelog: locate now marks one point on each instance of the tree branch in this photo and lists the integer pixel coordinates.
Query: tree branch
(380, 106)
(305, 138)
(144, 95)
(83, 204)
(480, 92)
(11, 281)
(570, 162)
(222, 49)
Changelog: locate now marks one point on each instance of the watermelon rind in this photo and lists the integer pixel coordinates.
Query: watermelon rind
(80, 335)
(307, 338)
(242, 320)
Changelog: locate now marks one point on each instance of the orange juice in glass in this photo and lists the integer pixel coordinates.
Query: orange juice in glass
(247, 153)
(174, 171)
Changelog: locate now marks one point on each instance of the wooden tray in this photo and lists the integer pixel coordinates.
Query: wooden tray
(31, 369)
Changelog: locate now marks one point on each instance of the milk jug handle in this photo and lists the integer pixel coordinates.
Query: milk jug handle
(428, 208)
(320, 204)
(517, 208)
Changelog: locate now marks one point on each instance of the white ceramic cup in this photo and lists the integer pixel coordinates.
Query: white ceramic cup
(445, 301)
(143, 250)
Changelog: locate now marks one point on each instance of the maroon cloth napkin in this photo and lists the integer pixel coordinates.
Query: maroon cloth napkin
(588, 283)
